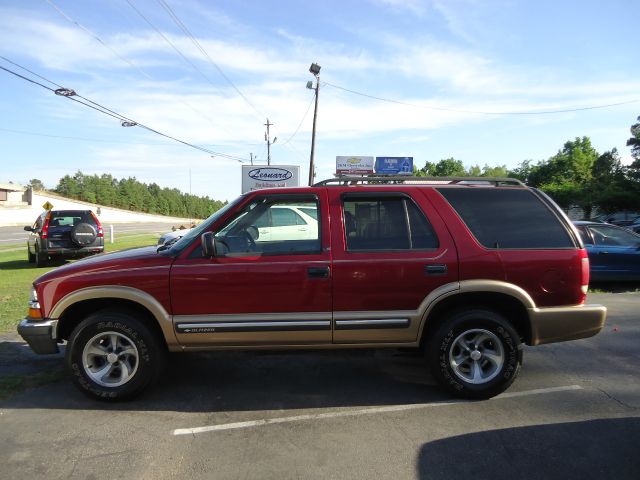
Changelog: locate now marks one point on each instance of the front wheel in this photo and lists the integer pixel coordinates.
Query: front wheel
(475, 354)
(113, 356)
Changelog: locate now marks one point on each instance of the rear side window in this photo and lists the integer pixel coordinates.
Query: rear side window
(390, 223)
(508, 218)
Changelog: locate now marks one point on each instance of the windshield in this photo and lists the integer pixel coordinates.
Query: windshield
(182, 242)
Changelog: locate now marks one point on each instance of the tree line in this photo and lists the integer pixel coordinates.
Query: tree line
(576, 176)
(130, 194)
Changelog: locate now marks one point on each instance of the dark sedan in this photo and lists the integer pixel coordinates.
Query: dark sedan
(614, 252)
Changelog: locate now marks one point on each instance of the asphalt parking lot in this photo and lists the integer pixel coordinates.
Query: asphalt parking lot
(574, 412)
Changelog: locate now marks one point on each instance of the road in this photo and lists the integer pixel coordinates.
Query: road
(574, 413)
(16, 235)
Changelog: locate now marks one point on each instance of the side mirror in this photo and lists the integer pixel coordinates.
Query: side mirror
(208, 242)
(28, 229)
(212, 246)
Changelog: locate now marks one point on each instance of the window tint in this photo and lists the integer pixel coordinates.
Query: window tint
(386, 224)
(285, 217)
(312, 212)
(508, 218)
(69, 218)
(272, 227)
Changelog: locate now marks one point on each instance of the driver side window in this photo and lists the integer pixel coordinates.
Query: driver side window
(274, 226)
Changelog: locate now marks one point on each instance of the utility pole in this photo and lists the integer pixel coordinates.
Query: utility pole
(315, 70)
(267, 139)
(251, 158)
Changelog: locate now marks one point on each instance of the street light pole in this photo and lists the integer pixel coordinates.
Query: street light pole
(315, 69)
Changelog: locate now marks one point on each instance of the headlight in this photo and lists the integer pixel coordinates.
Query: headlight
(34, 305)
(33, 297)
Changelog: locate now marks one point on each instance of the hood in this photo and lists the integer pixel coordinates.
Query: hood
(133, 258)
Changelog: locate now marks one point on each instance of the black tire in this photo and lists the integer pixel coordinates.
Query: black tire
(83, 234)
(490, 360)
(141, 356)
(30, 256)
(41, 259)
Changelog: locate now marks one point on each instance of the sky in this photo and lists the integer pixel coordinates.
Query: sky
(469, 79)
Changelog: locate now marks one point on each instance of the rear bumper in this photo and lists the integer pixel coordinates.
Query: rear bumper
(72, 252)
(40, 335)
(559, 324)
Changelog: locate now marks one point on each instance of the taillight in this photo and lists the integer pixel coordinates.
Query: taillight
(98, 225)
(584, 276)
(45, 227)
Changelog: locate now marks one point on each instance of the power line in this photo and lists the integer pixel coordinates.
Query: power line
(479, 112)
(176, 49)
(126, 121)
(124, 59)
(85, 139)
(300, 124)
(187, 32)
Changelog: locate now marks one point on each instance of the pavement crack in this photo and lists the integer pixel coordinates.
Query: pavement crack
(617, 400)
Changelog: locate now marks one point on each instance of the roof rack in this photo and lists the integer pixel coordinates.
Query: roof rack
(410, 179)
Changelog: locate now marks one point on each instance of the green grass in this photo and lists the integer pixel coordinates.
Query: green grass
(17, 275)
(13, 384)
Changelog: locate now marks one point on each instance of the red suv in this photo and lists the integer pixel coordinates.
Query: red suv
(468, 271)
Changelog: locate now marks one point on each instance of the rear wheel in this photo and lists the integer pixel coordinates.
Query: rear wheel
(113, 356)
(41, 259)
(475, 354)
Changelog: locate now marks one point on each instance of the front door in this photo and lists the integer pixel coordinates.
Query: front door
(271, 290)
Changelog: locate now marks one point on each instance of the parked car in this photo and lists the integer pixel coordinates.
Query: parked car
(171, 236)
(614, 252)
(466, 272)
(64, 234)
(292, 222)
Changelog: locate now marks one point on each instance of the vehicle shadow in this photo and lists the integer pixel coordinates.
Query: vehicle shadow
(25, 265)
(249, 381)
(16, 265)
(594, 449)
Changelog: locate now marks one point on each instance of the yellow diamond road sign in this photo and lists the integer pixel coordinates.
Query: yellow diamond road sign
(47, 206)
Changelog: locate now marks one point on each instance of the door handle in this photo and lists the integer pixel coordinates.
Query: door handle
(439, 269)
(318, 272)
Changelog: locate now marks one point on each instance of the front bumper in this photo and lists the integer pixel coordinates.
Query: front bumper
(40, 335)
(559, 324)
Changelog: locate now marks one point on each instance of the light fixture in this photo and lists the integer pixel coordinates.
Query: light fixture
(315, 69)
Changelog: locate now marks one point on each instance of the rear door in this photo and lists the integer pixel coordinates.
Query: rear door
(390, 251)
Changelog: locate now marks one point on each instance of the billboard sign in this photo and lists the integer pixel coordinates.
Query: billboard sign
(353, 164)
(256, 177)
(394, 165)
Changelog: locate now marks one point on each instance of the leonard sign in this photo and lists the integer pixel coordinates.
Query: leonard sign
(256, 177)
